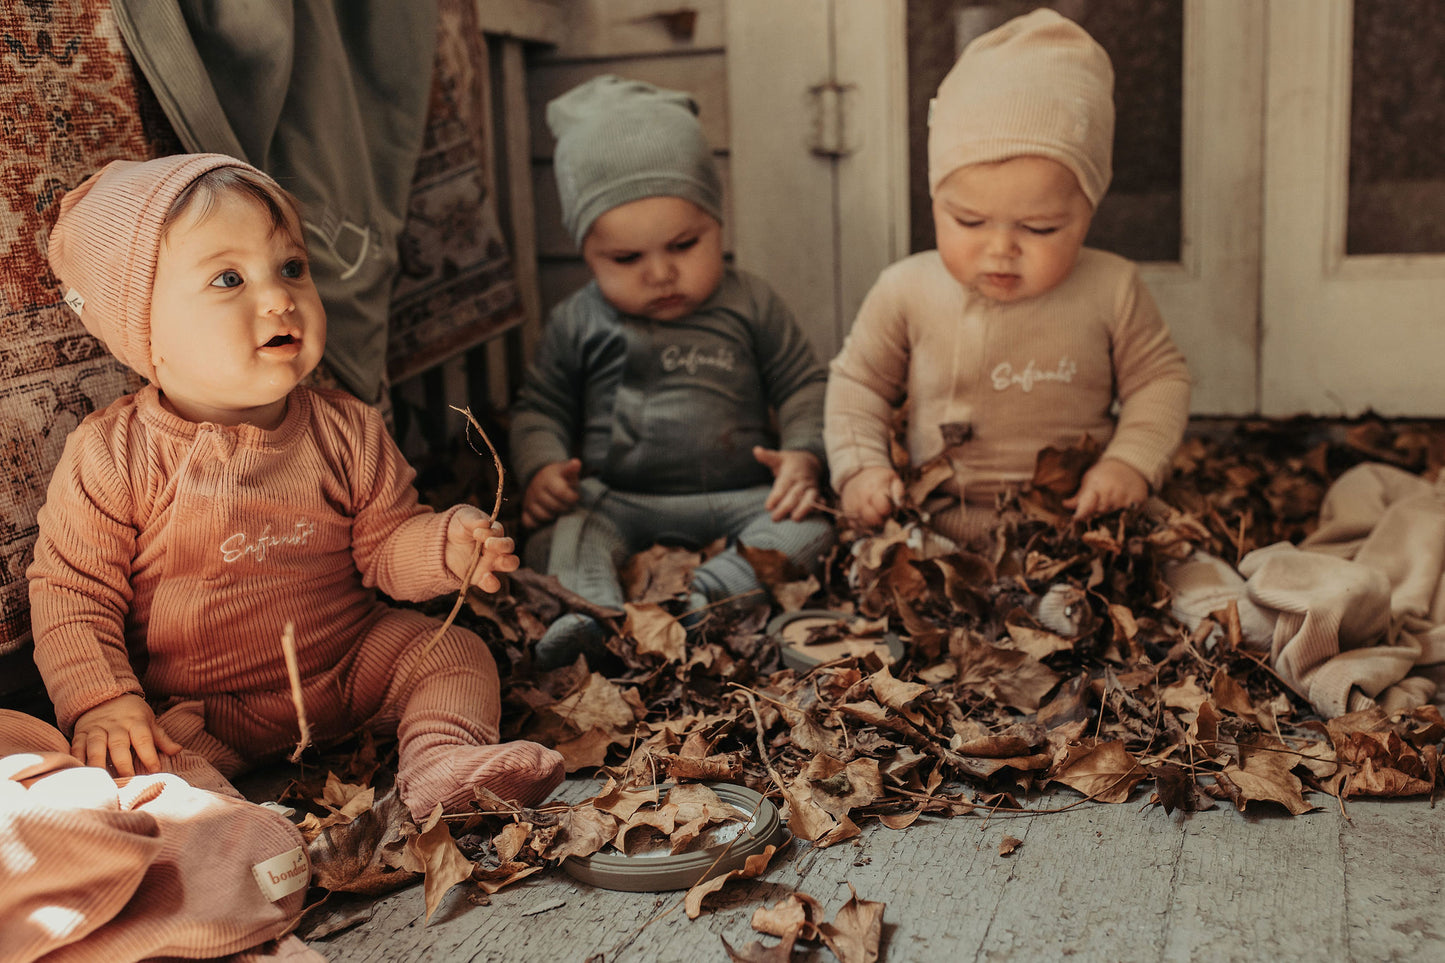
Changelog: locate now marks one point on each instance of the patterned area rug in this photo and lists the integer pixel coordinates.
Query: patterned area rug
(69, 102)
(455, 287)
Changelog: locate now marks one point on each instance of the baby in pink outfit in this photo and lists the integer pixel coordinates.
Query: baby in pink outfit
(187, 524)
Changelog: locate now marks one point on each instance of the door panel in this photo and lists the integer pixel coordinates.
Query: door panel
(818, 226)
(1344, 333)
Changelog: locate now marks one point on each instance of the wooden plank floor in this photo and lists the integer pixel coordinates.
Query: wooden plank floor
(1096, 882)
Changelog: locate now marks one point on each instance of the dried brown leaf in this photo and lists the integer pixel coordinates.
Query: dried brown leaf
(622, 803)
(838, 788)
(753, 867)
(344, 799)
(492, 880)
(581, 831)
(1184, 694)
(893, 693)
(1384, 764)
(1229, 695)
(587, 750)
(1106, 772)
(656, 632)
(794, 596)
(1009, 676)
(807, 820)
(510, 840)
(658, 573)
(365, 855)
(856, 931)
(1263, 775)
(900, 820)
(444, 865)
(797, 913)
(1028, 636)
(1175, 788)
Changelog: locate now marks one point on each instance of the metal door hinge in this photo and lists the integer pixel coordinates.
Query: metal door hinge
(832, 134)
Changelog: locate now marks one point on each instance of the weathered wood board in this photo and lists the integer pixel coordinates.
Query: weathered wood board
(1094, 882)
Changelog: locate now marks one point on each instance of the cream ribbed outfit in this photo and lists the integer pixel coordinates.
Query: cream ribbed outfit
(172, 554)
(1013, 378)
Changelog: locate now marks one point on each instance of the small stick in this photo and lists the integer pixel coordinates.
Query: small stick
(293, 670)
(476, 549)
(496, 458)
(762, 747)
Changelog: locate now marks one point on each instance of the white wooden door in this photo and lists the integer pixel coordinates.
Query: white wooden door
(818, 155)
(1343, 333)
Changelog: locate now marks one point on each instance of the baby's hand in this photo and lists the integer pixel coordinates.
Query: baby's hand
(1110, 484)
(468, 526)
(795, 482)
(126, 730)
(870, 496)
(552, 492)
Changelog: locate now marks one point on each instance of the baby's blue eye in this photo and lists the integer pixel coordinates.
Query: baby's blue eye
(964, 222)
(1041, 231)
(293, 268)
(685, 245)
(227, 279)
(626, 258)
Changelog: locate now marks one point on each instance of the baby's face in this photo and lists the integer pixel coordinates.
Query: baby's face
(658, 257)
(236, 321)
(1011, 230)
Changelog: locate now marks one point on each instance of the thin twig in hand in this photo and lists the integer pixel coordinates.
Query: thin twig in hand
(496, 458)
(476, 549)
(293, 670)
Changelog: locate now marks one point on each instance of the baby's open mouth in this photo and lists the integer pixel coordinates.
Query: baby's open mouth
(278, 341)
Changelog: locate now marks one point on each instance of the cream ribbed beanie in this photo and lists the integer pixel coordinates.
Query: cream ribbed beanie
(1037, 85)
(622, 140)
(106, 242)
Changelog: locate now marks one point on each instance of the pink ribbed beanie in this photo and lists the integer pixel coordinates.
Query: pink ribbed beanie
(1037, 85)
(106, 242)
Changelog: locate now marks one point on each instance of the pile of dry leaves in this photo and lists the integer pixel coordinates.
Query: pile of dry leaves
(1051, 661)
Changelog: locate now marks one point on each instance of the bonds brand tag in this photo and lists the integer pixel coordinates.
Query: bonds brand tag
(280, 876)
(74, 299)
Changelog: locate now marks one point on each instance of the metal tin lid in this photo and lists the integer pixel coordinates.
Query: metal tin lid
(654, 872)
(791, 629)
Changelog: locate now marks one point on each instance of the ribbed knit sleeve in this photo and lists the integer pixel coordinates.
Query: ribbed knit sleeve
(866, 380)
(1152, 383)
(399, 545)
(791, 374)
(546, 420)
(80, 588)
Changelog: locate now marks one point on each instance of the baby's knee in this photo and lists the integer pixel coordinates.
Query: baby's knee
(455, 650)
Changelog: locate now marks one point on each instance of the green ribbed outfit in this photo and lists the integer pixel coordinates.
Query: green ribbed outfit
(664, 416)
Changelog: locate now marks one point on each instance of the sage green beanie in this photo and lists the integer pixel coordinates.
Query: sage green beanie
(622, 140)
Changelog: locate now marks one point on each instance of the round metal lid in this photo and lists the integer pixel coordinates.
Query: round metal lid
(790, 630)
(725, 849)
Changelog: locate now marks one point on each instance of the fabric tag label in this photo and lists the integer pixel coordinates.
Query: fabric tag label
(75, 300)
(280, 876)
